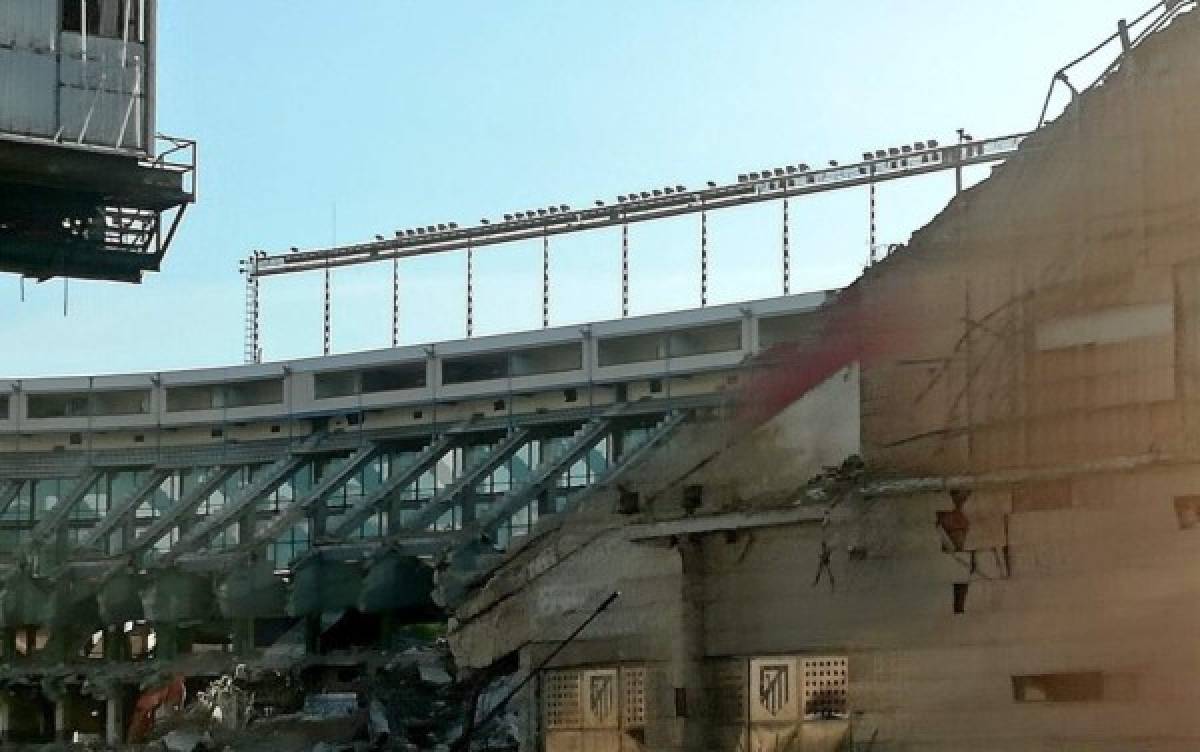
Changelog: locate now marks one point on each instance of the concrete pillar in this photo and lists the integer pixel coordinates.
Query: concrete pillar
(387, 629)
(686, 669)
(317, 521)
(62, 717)
(8, 644)
(243, 636)
(528, 702)
(58, 643)
(312, 634)
(246, 526)
(114, 717)
(166, 641)
(5, 716)
(116, 644)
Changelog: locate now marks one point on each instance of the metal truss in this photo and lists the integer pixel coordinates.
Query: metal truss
(450, 495)
(264, 482)
(770, 185)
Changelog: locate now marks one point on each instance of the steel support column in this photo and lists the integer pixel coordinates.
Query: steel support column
(872, 238)
(470, 292)
(395, 302)
(787, 252)
(545, 279)
(703, 259)
(326, 341)
(624, 271)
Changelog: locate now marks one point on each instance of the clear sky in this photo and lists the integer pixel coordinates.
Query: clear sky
(401, 114)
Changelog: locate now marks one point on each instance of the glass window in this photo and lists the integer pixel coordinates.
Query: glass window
(113, 19)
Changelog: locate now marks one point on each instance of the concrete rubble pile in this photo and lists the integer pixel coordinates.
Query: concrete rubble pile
(409, 700)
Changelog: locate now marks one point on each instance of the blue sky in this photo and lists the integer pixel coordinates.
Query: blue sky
(401, 113)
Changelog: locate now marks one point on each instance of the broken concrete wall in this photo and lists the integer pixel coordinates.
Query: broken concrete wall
(767, 466)
(1046, 317)
(1030, 365)
(763, 469)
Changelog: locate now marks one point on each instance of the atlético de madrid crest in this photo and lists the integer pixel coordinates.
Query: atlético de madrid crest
(773, 687)
(600, 695)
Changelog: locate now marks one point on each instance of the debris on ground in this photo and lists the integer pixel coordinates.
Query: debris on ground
(408, 699)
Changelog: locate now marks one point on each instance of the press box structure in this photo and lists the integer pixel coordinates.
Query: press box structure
(87, 187)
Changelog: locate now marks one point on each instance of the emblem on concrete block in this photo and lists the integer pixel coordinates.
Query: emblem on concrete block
(600, 695)
(600, 699)
(773, 689)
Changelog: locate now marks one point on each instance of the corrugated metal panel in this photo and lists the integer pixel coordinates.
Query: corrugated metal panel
(29, 24)
(109, 64)
(27, 90)
(96, 92)
(48, 88)
(28, 35)
(102, 112)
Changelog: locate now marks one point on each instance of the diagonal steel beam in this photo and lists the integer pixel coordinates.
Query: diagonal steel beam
(295, 511)
(450, 495)
(49, 525)
(9, 492)
(428, 457)
(118, 513)
(185, 506)
(515, 499)
(546, 472)
(268, 479)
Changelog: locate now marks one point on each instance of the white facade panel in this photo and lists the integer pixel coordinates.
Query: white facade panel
(27, 89)
(102, 92)
(87, 88)
(29, 25)
(101, 118)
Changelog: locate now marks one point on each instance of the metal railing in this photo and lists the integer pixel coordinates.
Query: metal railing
(1129, 34)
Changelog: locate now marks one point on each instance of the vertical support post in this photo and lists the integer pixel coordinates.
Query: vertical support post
(872, 240)
(62, 716)
(312, 635)
(624, 270)
(326, 322)
(787, 252)
(114, 717)
(243, 636)
(8, 644)
(471, 291)
(686, 659)
(545, 278)
(395, 302)
(66, 293)
(703, 258)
